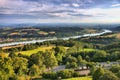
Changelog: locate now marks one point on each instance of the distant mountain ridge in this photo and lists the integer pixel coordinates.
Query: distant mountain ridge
(93, 25)
(116, 28)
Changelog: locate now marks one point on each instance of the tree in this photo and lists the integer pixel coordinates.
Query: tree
(20, 65)
(90, 64)
(34, 70)
(59, 53)
(92, 70)
(71, 59)
(81, 62)
(108, 76)
(71, 65)
(50, 75)
(99, 72)
(50, 59)
(12, 55)
(6, 68)
(65, 74)
(115, 68)
(118, 74)
(99, 56)
(38, 60)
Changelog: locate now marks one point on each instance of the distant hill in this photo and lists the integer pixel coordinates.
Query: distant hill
(117, 28)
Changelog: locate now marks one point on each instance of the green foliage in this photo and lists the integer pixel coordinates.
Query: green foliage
(34, 70)
(99, 72)
(37, 59)
(71, 59)
(118, 74)
(12, 55)
(65, 74)
(78, 53)
(59, 53)
(115, 68)
(99, 56)
(50, 59)
(6, 68)
(71, 65)
(49, 75)
(92, 70)
(108, 76)
(20, 65)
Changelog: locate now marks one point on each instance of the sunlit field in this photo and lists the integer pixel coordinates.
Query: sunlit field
(30, 52)
(80, 78)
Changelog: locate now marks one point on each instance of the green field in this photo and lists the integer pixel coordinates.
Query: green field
(43, 48)
(30, 52)
(80, 78)
(87, 49)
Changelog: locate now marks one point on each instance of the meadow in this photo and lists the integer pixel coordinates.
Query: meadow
(30, 52)
(80, 78)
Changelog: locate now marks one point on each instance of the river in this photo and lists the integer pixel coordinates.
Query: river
(65, 38)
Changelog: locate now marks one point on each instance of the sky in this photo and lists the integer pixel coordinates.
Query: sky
(59, 11)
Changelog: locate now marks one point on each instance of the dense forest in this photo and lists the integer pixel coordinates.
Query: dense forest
(76, 55)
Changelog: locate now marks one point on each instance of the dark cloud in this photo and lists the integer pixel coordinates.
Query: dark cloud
(81, 15)
(4, 8)
(61, 11)
(55, 11)
(25, 16)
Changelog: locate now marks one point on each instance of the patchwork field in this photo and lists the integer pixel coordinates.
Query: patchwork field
(116, 35)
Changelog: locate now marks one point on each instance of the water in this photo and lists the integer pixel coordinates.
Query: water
(65, 38)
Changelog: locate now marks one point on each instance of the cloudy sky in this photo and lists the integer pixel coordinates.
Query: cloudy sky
(59, 11)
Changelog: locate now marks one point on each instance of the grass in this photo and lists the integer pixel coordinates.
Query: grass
(87, 49)
(30, 52)
(2, 54)
(80, 78)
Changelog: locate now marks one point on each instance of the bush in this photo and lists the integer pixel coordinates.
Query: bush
(99, 72)
(50, 75)
(71, 65)
(63, 74)
(108, 76)
(76, 74)
(115, 69)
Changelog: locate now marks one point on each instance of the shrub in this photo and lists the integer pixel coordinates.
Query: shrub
(50, 75)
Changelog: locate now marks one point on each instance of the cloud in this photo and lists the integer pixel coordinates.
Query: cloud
(116, 5)
(75, 5)
(55, 10)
